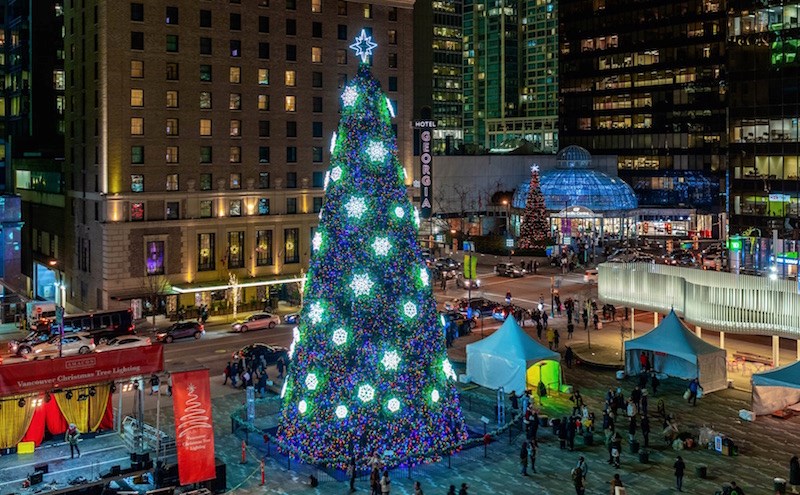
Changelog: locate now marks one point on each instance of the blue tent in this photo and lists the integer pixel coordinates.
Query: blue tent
(676, 351)
(508, 358)
(776, 389)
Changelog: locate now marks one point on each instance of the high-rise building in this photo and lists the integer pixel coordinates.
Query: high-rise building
(32, 118)
(764, 70)
(437, 71)
(510, 74)
(197, 138)
(646, 81)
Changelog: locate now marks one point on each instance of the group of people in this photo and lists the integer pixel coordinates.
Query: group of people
(381, 484)
(251, 372)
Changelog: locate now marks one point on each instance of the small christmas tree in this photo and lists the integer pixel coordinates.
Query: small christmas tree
(369, 370)
(535, 229)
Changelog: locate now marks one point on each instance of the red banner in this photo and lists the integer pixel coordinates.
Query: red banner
(85, 369)
(194, 429)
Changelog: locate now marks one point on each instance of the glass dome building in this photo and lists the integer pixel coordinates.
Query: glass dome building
(584, 203)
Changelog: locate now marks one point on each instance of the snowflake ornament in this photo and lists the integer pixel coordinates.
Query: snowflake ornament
(391, 360)
(448, 370)
(349, 96)
(316, 242)
(376, 151)
(341, 412)
(393, 405)
(302, 407)
(424, 277)
(381, 246)
(336, 173)
(339, 336)
(366, 393)
(311, 381)
(315, 313)
(361, 285)
(435, 395)
(534, 168)
(410, 309)
(356, 207)
(399, 212)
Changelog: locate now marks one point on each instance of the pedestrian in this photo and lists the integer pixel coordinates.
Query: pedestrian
(643, 362)
(526, 400)
(535, 266)
(645, 425)
(544, 318)
(523, 459)
(452, 490)
(616, 482)
(735, 489)
(281, 365)
(375, 481)
(562, 433)
(596, 321)
(154, 384)
(463, 490)
(636, 396)
(234, 373)
(694, 386)
(680, 467)
(71, 437)
(569, 356)
(169, 384)
(533, 449)
(577, 402)
(417, 488)
(585, 317)
(632, 429)
(551, 336)
(570, 329)
(539, 329)
(643, 403)
(351, 472)
(654, 382)
(227, 373)
(577, 481)
(571, 431)
(794, 473)
(385, 483)
(583, 467)
(616, 449)
(556, 339)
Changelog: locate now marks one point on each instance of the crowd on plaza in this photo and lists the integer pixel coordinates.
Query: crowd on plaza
(246, 372)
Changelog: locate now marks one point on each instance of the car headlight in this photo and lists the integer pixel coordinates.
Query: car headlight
(161, 335)
(237, 325)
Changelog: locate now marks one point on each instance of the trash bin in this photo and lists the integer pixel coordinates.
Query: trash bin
(635, 447)
(644, 456)
(779, 485)
(701, 471)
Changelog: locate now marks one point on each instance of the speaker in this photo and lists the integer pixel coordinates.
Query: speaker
(36, 478)
(44, 468)
(116, 470)
(220, 483)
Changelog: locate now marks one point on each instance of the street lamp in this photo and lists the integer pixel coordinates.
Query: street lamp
(508, 219)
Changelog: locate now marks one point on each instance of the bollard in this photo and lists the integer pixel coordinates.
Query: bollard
(244, 453)
(262, 473)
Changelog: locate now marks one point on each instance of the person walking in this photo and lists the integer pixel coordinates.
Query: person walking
(227, 373)
(544, 318)
(169, 384)
(533, 449)
(794, 473)
(71, 437)
(616, 482)
(632, 429)
(539, 328)
(154, 384)
(736, 489)
(281, 365)
(694, 386)
(645, 426)
(375, 481)
(417, 488)
(570, 330)
(571, 431)
(523, 459)
(680, 467)
(386, 483)
(569, 356)
(577, 481)
(351, 472)
(556, 338)
(452, 490)
(654, 382)
(463, 490)
(551, 336)
(643, 403)
(582, 467)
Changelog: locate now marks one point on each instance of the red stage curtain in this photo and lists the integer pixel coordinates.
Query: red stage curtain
(35, 431)
(55, 422)
(107, 422)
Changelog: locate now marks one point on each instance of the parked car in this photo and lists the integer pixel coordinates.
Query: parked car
(22, 347)
(257, 321)
(509, 270)
(181, 330)
(478, 304)
(466, 283)
(590, 276)
(71, 344)
(128, 342)
(447, 264)
(292, 318)
(254, 351)
(502, 311)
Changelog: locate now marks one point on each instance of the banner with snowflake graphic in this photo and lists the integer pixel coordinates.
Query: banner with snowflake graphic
(194, 429)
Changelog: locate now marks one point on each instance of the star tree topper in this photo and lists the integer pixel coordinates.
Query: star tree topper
(363, 46)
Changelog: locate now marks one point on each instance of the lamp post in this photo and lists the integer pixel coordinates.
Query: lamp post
(508, 218)
(60, 293)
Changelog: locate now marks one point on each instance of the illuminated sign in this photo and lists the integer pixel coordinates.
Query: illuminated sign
(426, 162)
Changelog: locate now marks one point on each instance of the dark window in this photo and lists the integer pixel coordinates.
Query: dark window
(206, 208)
(341, 7)
(392, 13)
(263, 128)
(392, 83)
(205, 252)
(236, 48)
(172, 43)
(291, 128)
(291, 4)
(316, 129)
(291, 53)
(316, 79)
(137, 12)
(264, 245)
(205, 18)
(205, 46)
(316, 154)
(172, 15)
(205, 73)
(173, 210)
(172, 71)
(341, 32)
(291, 27)
(392, 60)
(205, 182)
(137, 40)
(236, 22)
(263, 154)
(263, 24)
(291, 245)
(291, 154)
(137, 154)
(205, 154)
(263, 50)
(291, 206)
(317, 179)
(316, 104)
(291, 180)
(317, 205)
(316, 30)
(263, 180)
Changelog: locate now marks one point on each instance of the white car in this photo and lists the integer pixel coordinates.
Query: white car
(71, 345)
(257, 322)
(126, 342)
(590, 276)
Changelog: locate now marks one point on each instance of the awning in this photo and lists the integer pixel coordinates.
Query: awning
(248, 282)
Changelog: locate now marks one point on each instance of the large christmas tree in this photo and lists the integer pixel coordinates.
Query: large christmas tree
(369, 371)
(534, 232)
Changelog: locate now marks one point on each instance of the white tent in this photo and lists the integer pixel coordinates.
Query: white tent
(508, 358)
(776, 389)
(674, 350)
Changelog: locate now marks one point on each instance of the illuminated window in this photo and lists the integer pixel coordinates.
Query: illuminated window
(291, 248)
(137, 183)
(236, 48)
(263, 242)
(137, 69)
(263, 102)
(137, 212)
(205, 127)
(235, 75)
(173, 210)
(316, 5)
(205, 100)
(289, 104)
(367, 11)
(235, 101)
(235, 155)
(172, 182)
(236, 128)
(316, 54)
(137, 98)
(205, 73)
(172, 154)
(172, 127)
(236, 240)
(137, 126)
(263, 77)
(392, 37)
(172, 99)
(172, 43)
(290, 78)
(205, 182)
(205, 252)
(206, 208)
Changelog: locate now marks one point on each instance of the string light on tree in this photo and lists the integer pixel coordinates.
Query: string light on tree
(416, 217)
(376, 151)
(424, 277)
(316, 242)
(333, 144)
(534, 231)
(361, 285)
(381, 246)
(356, 207)
(339, 336)
(349, 96)
(390, 107)
(410, 309)
(366, 393)
(448, 370)
(391, 360)
(283, 388)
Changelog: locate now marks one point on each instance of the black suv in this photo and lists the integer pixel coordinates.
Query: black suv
(271, 353)
(181, 330)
